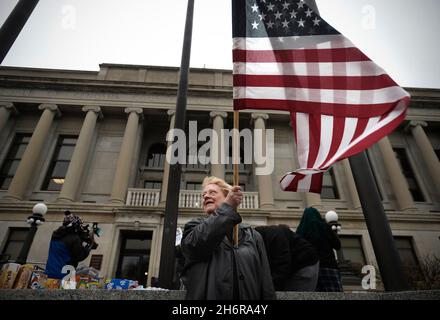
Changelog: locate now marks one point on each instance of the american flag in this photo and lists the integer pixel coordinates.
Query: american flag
(287, 57)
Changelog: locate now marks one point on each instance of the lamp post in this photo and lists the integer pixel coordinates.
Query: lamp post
(331, 217)
(36, 219)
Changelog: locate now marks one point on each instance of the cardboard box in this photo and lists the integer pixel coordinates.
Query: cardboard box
(38, 280)
(120, 284)
(24, 276)
(9, 273)
(52, 283)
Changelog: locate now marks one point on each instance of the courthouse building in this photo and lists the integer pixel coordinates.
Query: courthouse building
(95, 143)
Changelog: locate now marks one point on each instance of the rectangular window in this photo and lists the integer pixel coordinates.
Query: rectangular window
(153, 184)
(96, 261)
(351, 249)
(329, 187)
(351, 259)
(14, 243)
(60, 163)
(13, 159)
(406, 251)
(410, 262)
(134, 256)
(408, 172)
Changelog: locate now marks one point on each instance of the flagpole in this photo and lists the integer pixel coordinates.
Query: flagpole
(236, 157)
(387, 256)
(167, 256)
(13, 25)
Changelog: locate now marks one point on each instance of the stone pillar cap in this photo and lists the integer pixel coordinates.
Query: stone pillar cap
(257, 115)
(96, 109)
(415, 123)
(222, 114)
(51, 107)
(10, 106)
(138, 111)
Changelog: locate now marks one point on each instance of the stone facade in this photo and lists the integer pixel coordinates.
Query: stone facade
(122, 112)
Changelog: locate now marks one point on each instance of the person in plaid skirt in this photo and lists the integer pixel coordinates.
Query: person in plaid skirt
(314, 229)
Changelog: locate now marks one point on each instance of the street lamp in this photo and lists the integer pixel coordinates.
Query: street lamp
(36, 219)
(332, 219)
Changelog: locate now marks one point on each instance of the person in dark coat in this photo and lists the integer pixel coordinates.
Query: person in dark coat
(315, 230)
(215, 268)
(293, 261)
(70, 244)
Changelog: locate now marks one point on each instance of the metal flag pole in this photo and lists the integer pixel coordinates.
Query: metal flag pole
(11, 28)
(236, 157)
(387, 256)
(167, 256)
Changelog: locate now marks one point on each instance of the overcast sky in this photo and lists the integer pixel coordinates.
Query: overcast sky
(399, 35)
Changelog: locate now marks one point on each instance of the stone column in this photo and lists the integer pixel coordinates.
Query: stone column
(79, 156)
(397, 179)
(427, 152)
(265, 187)
(5, 111)
(122, 175)
(217, 169)
(355, 202)
(166, 167)
(26, 168)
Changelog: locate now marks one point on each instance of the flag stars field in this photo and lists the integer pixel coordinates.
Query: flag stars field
(319, 76)
(288, 17)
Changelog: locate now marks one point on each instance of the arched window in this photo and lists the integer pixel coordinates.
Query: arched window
(156, 155)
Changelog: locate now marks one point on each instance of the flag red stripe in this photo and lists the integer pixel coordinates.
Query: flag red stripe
(315, 82)
(335, 109)
(372, 138)
(293, 186)
(360, 128)
(338, 133)
(316, 184)
(314, 138)
(300, 55)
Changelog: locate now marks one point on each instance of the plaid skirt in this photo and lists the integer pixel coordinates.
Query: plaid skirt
(329, 280)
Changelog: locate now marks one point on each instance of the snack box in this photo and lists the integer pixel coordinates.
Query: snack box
(9, 273)
(38, 279)
(52, 283)
(87, 282)
(120, 284)
(24, 276)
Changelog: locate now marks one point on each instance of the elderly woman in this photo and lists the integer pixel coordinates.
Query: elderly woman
(215, 268)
